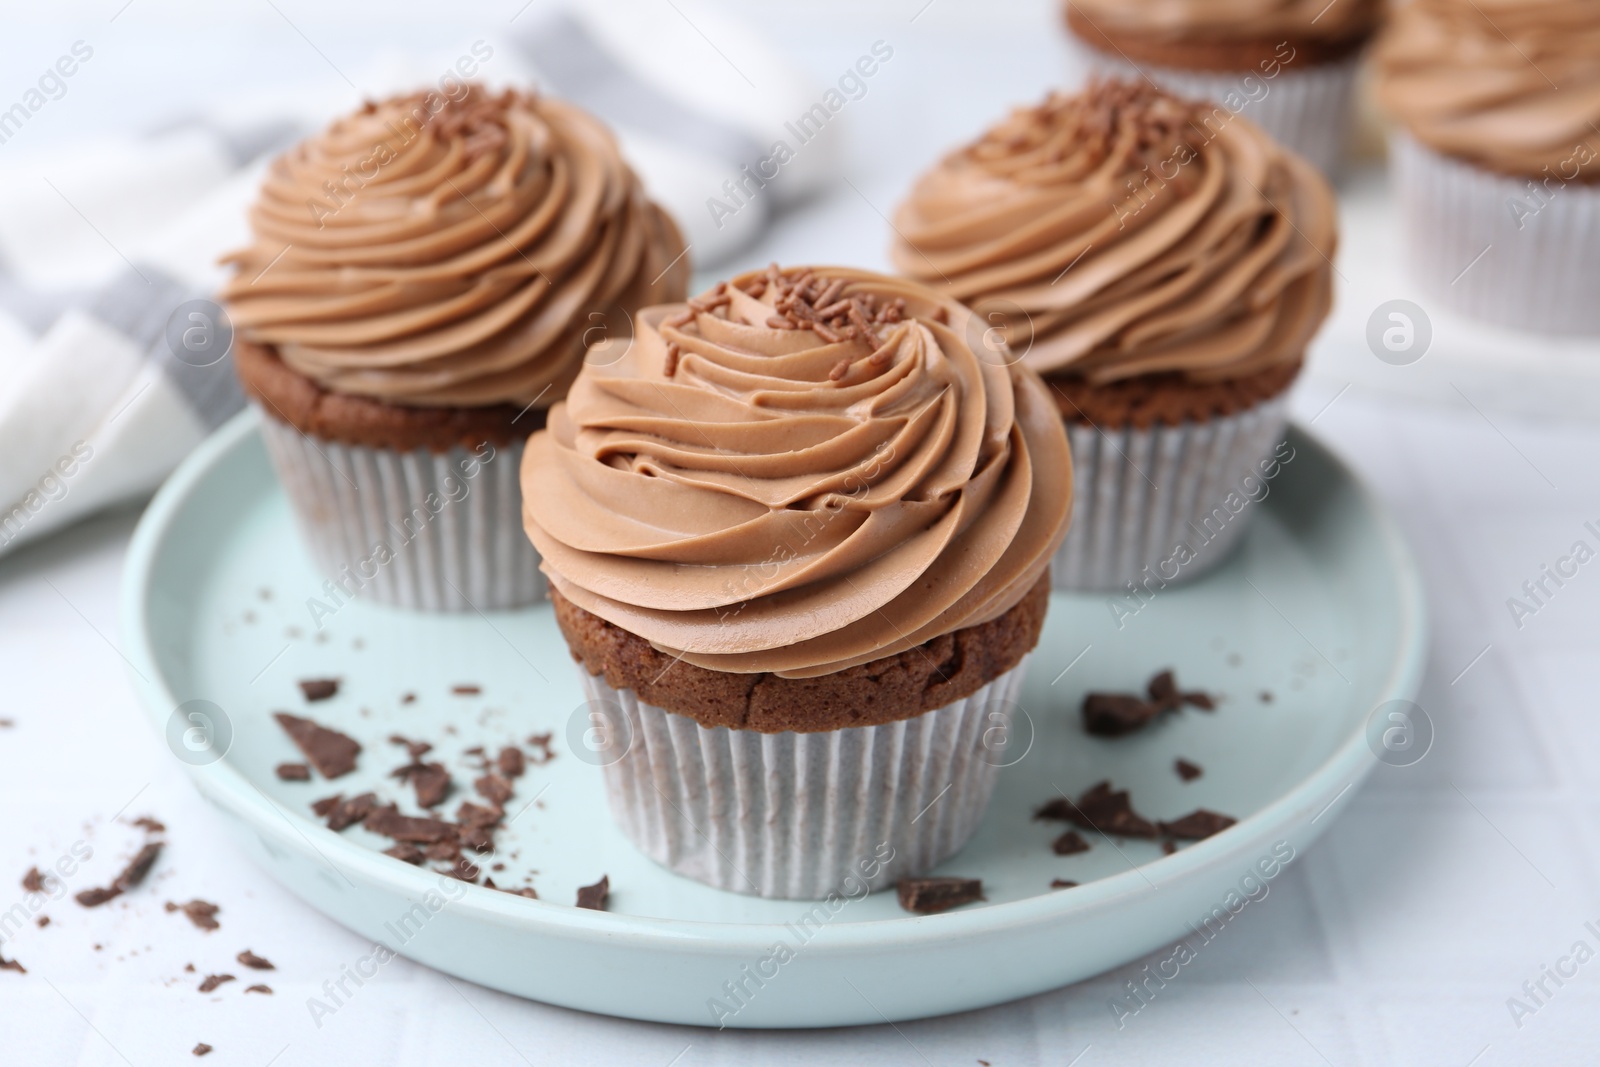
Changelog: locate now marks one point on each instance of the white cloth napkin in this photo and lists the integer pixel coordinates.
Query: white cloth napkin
(105, 246)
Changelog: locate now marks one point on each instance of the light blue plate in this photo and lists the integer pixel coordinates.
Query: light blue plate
(1321, 608)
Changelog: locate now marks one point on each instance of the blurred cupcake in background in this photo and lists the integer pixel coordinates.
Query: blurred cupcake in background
(797, 538)
(1288, 65)
(1498, 157)
(1164, 270)
(424, 280)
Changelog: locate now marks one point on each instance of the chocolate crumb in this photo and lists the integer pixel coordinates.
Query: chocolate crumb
(408, 698)
(594, 896)
(42, 921)
(511, 762)
(542, 743)
(316, 689)
(254, 962)
(33, 881)
(1266, 696)
(519, 891)
(213, 980)
(405, 854)
(1169, 847)
(415, 749)
(1186, 770)
(200, 912)
(258, 989)
(330, 752)
(201, 1049)
(293, 772)
(1062, 883)
(188, 968)
(1069, 844)
(1100, 808)
(1197, 825)
(466, 690)
(928, 896)
(11, 965)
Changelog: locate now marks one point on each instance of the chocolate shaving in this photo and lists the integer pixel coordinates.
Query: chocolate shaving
(316, 689)
(1115, 714)
(33, 881)
(466, 690)
(131, 876)
(594, 896)
(928, 896)
(415, 749)
(1069, 844)
(11, 965)
(201, 1049)
(213, 980)
(322, 807)
(511, 762)
(405, 854)
(293, 772)
(1062, 883)
(494, 788)
(430, 780)
(349, 812)
(258, 989)
(1198, 824)
(254, 962)
(1186, 770)
(330, 752)
(1103, 809)
(462, 870)
(388, 822)
(200, 912)
(477, 815)
(149, 825)
(542, 743)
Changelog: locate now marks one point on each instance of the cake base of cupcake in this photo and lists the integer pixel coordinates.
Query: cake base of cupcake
(1514, 252)
(422, 529)
(1163, 504)
(804, 815)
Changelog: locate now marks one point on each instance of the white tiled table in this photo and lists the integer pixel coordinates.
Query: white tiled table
(1397, 940)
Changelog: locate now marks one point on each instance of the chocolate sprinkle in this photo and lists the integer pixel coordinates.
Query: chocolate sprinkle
(254, 962)
(213, 980)
(1069, 844)
(928, 896)
(1198, 824)
(316, 689)
(330, 752)
(293, 772)
(594, 896)
(1186, 770)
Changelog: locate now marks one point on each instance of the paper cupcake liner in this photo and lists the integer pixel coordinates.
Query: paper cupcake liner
(434, 531)
(1307, 109)
(1508, 251)
(1138, 495)
(803, 815)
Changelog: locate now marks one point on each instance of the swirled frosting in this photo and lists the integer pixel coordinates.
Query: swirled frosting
(1512, 85)
(798, 472)
(1124, 232)
(433, 250)
(1294, 20)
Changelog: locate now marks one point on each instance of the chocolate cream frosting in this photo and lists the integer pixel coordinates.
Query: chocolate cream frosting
(799, 472)
(1510, 85)
(1228, 20)
(1125, 231)
(462, 250)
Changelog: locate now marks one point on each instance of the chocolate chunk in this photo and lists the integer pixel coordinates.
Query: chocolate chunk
(416, 749)
(511, 761)
(201, 1049)
(149, 825)
(477, 815)
(1062, 883)
(316, 689)
(1198, 824)
(494, 788)
(1163, 690)
(33, 881)
(1102, 809)
(293, 772)
(213, 980)
(11, 965)
(258, 989)
(330, 752)
(349, 812)
(542, 743)
(466, 690)
(405, 854)
(200, 912)
(388, 822)
(594, 896)
(430, 780)
(131, 876)
(322, 807)
(1069, 844)
(1116, 714)
(1169, 847)
(254, 962)
(1186, 770)
(927, 896)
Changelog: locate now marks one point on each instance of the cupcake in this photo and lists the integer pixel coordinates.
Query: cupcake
(423, 282)
(1288, 65)
(1164, 275)
(1498, 158)
(797, 539)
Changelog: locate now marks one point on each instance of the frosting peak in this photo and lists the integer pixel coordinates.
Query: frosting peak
(1125, 231)
(797, 472)
(451, 249)
(1513, 85)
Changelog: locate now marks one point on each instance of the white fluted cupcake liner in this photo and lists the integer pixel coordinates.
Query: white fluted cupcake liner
(1308, 109)
(803, 815)
(1503, 250)
(434, 531)
(1139, 494)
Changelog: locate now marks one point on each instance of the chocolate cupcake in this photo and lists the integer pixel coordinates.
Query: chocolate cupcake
(1164, 275)
(424, 280)
(1498, 160)
(1288, 65)
(797, 538)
